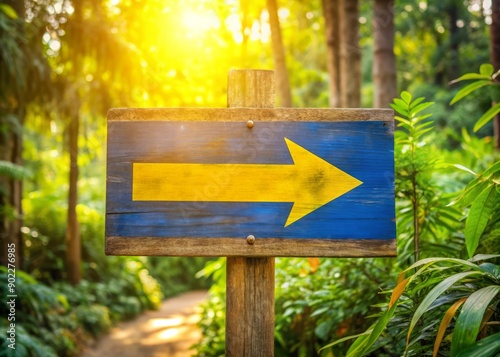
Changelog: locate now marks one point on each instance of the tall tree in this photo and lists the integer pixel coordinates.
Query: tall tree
(73, 241)
(71, 110)
(93, 70)
(350, 54)
(282, 80)
(454, 51)
(384, 61)
(24, 80)
(495, 59)
(332, 32)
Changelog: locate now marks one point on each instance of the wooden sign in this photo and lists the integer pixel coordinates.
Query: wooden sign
(199, 182)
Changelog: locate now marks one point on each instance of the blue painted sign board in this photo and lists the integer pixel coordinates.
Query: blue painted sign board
(175, 177)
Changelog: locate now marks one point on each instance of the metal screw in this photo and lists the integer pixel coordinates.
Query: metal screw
(250, 239)
(250, 124)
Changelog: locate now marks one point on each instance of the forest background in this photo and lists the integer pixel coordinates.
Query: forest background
(64, 63)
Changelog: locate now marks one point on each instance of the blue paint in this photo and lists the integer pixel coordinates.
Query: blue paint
(362, 149)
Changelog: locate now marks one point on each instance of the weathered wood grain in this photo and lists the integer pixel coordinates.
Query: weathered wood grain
(250, 88)
(263, 247)
(244, 114)
(250, 307)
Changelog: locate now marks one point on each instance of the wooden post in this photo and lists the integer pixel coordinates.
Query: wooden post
(250, 281)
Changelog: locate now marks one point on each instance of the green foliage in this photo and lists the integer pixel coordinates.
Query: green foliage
(422, 307)
(55, 320)
(8, 10)
(94, 318)
(485, 77)
(213, 317)
(425, 297)
(10, 170)
(483, 196)
(421, 202)
(43, 321)
(27, 345)
(320, 299)
(176, 274)
(316, 300)
(487, 347)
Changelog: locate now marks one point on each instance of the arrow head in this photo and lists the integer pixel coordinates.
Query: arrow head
(316, 182)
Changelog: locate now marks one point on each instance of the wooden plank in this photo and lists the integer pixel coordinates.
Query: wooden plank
(231, 199)
(250, 307)
(243, 114)
(266, 247)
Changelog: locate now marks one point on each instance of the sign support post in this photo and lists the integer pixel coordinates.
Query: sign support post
(250, 281)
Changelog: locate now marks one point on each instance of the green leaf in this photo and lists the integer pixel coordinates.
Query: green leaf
(492, 269)
(364, 343)
(401, 104)
(421, 107)
(424, 125)
(468, 89)
(418, 134)
(469, 320)
(479, 257)
(469, 76)
(487, 347)
(402, 120)
(433, 295)
(486, 69)
(406, 96)
(470, 193)
(422, 117)
(347, 338)
(429, 261)
(9, 11)
(466, 169)
(486, 117)
(400, 110)
(491, 170)
(466, 135)
(416, 102)
(478, 217)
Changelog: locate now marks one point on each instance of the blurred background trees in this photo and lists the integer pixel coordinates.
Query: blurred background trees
(64, 63)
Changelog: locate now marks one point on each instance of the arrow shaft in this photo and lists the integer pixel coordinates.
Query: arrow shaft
(213, 182)
(309, 183)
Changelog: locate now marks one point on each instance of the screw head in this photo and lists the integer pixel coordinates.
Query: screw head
(250, 124)
(250, 239)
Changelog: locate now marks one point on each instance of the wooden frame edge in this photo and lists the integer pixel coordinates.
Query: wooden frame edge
(244, 114)
(238, 247)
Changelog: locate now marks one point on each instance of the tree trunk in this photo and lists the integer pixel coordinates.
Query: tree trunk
(73, 254)
(282, 81)
(350, 55)
(332, 32)
(454, 71)
(11, 190)
(384, 61)
(495, 58)
(245, 31)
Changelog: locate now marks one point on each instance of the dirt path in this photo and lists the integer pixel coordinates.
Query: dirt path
(170, 331)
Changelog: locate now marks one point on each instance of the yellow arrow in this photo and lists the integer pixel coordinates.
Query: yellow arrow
(310, 182)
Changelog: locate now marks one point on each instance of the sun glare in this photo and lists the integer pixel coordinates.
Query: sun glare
(196, 22)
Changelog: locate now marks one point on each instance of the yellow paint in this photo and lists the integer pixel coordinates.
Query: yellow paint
(310, 182)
